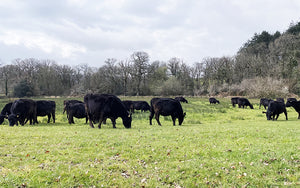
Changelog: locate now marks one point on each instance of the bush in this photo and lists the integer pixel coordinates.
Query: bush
(260, 87)
(23, 89)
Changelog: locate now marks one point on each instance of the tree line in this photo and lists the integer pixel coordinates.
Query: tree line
(267, 65)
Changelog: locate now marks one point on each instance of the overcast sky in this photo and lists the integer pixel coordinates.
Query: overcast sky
(77, 32)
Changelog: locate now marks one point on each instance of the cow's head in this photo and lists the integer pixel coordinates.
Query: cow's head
(127, 121)
(181, 118)
(13, 119)
(268, 114)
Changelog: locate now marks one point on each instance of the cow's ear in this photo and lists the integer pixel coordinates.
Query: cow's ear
(184, 114)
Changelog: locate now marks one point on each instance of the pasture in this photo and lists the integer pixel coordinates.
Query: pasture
(217, 146)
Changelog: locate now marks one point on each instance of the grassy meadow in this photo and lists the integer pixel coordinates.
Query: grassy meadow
(217, 146)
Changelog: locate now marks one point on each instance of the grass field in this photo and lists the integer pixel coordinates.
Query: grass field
(217, 146)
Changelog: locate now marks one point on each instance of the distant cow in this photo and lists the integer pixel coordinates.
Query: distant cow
(141, 105)
(102, 106)
(46, 108)
(295, 105)
(213, 100)
(76, 110)
(280, 100)
(5, 112)
(243, 102)
(274, 109)
(21, 110)
(166, 107)
(181, 99)
(68, 102)
(264, 102)
(234, 101)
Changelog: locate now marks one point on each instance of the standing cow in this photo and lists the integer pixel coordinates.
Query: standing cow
(21, 110)
(5, 112)
(76, 110)
(274, 109)
(46, 108)
(141, 105)
(166, 107)
(264, 102)
(102, 106)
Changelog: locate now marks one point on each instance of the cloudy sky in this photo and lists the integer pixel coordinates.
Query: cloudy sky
(77, 32)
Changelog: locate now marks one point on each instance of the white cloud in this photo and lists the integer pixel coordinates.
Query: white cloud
(89, 31)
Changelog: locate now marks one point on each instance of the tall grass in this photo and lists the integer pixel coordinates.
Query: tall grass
(217, 146)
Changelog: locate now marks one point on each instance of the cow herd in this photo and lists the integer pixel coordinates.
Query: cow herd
(96, 108)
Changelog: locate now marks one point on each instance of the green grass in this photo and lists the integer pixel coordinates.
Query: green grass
(217, 146)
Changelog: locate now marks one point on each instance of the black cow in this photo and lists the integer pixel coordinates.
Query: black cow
(102, 106)
(76, 110)
(5, 112)
(274, 109)
(21, 110)
(129, 105)
(181, 99)
(141, 105)
(234, 101)
(68, 102)
(295, 105)
(264, 102)
(213, 100)
(166, 107)
(46, 108)
(243, 102)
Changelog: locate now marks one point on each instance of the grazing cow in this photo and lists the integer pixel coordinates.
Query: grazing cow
(129, 105)
(181, 99)
(274, 109)
(76, 110)
(242, 102)
(213, 100)
(5, 112)
(265, 102)
(295, 105)
(166, 107)
(234, 101)
(102, 106)
(280, 100)
(141, 105)
(46, 108)
(21, 110)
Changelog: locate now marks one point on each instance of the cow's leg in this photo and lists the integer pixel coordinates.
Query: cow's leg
(49, 117)
(174, 119)
(157, 118)
(298, 115)
(101, 120)
(285, 113)
(53, 117)
(70, 118)
(150, 117)
(277, 115)
(86, 120)
(113, 121)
